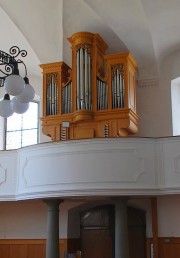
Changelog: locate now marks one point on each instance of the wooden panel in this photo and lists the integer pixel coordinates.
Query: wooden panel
(83, 133)
(165, 251)
(169, 247)
(4, 251)
(16, 251)
(33, 248)
(63, 247)
(36, 251)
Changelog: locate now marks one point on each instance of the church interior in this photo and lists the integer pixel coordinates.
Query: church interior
(103, 179)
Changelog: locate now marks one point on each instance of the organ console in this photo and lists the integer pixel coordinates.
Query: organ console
(96, 98)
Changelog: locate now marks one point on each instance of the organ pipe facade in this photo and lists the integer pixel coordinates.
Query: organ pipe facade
(96, 98)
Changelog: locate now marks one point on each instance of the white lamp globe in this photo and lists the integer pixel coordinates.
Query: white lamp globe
(19, 107)
(6, 106)
(14, 84)
(28, 93)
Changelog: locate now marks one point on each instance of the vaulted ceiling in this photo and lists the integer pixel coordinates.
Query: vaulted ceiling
(150, 30)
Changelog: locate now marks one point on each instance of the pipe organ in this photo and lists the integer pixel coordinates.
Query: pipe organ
(96, 98)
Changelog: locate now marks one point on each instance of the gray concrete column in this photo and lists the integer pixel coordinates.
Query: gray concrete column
(52, 242)
(121, 228)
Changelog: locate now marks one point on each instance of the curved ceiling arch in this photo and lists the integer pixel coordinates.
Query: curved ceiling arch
(12, 36)
(128, 20)
(149, 29)
(79, 16)
(163, 21)
(41, 24)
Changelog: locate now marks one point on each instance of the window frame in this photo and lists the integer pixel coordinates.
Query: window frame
(5, 129)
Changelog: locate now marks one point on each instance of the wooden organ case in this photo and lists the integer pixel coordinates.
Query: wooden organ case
(96, 98)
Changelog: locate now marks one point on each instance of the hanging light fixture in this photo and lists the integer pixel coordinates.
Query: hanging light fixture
(14, 84)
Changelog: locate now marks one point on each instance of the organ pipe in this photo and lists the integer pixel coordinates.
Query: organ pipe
(102, 94)
(67, 98)
(77, 82)
(86, 80)
(83, 79)
(52, 95)
(117, 86)
(89, 83)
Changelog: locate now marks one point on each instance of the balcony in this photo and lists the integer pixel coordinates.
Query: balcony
(96, 167)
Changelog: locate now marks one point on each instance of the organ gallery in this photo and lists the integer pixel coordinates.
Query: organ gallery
(95, 98)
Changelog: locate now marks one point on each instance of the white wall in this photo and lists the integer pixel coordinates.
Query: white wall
(148, 107)
(28, 219)
(22, 220)
(169, 216)
(154, 105)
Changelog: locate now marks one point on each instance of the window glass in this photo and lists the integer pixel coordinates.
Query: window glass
(13, 140)
(30, 119)
(22, 130)
(29, 137)
(14, 122)
(175, 105)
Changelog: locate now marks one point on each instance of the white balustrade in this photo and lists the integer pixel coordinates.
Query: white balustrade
(121, 166)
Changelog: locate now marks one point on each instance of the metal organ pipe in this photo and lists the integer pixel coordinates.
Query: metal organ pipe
(67, 98)
(77, 81)
(55, 99)
(86, 80)
(52, 96)
(81, 79)
(122, 90)
(47, 101)
(50, 99)
(83, 83)
(102, 98)
(89, 82)
(117, 87)
(98, 94)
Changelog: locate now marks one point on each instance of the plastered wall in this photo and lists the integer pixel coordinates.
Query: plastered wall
(28, 219)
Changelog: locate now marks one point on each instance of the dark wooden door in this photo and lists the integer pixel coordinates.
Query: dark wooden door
(96, 243)
(97, 233)
(136, 232)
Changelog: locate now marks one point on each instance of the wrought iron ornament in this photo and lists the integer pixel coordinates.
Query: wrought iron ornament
(9, 64)
(18, 91)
